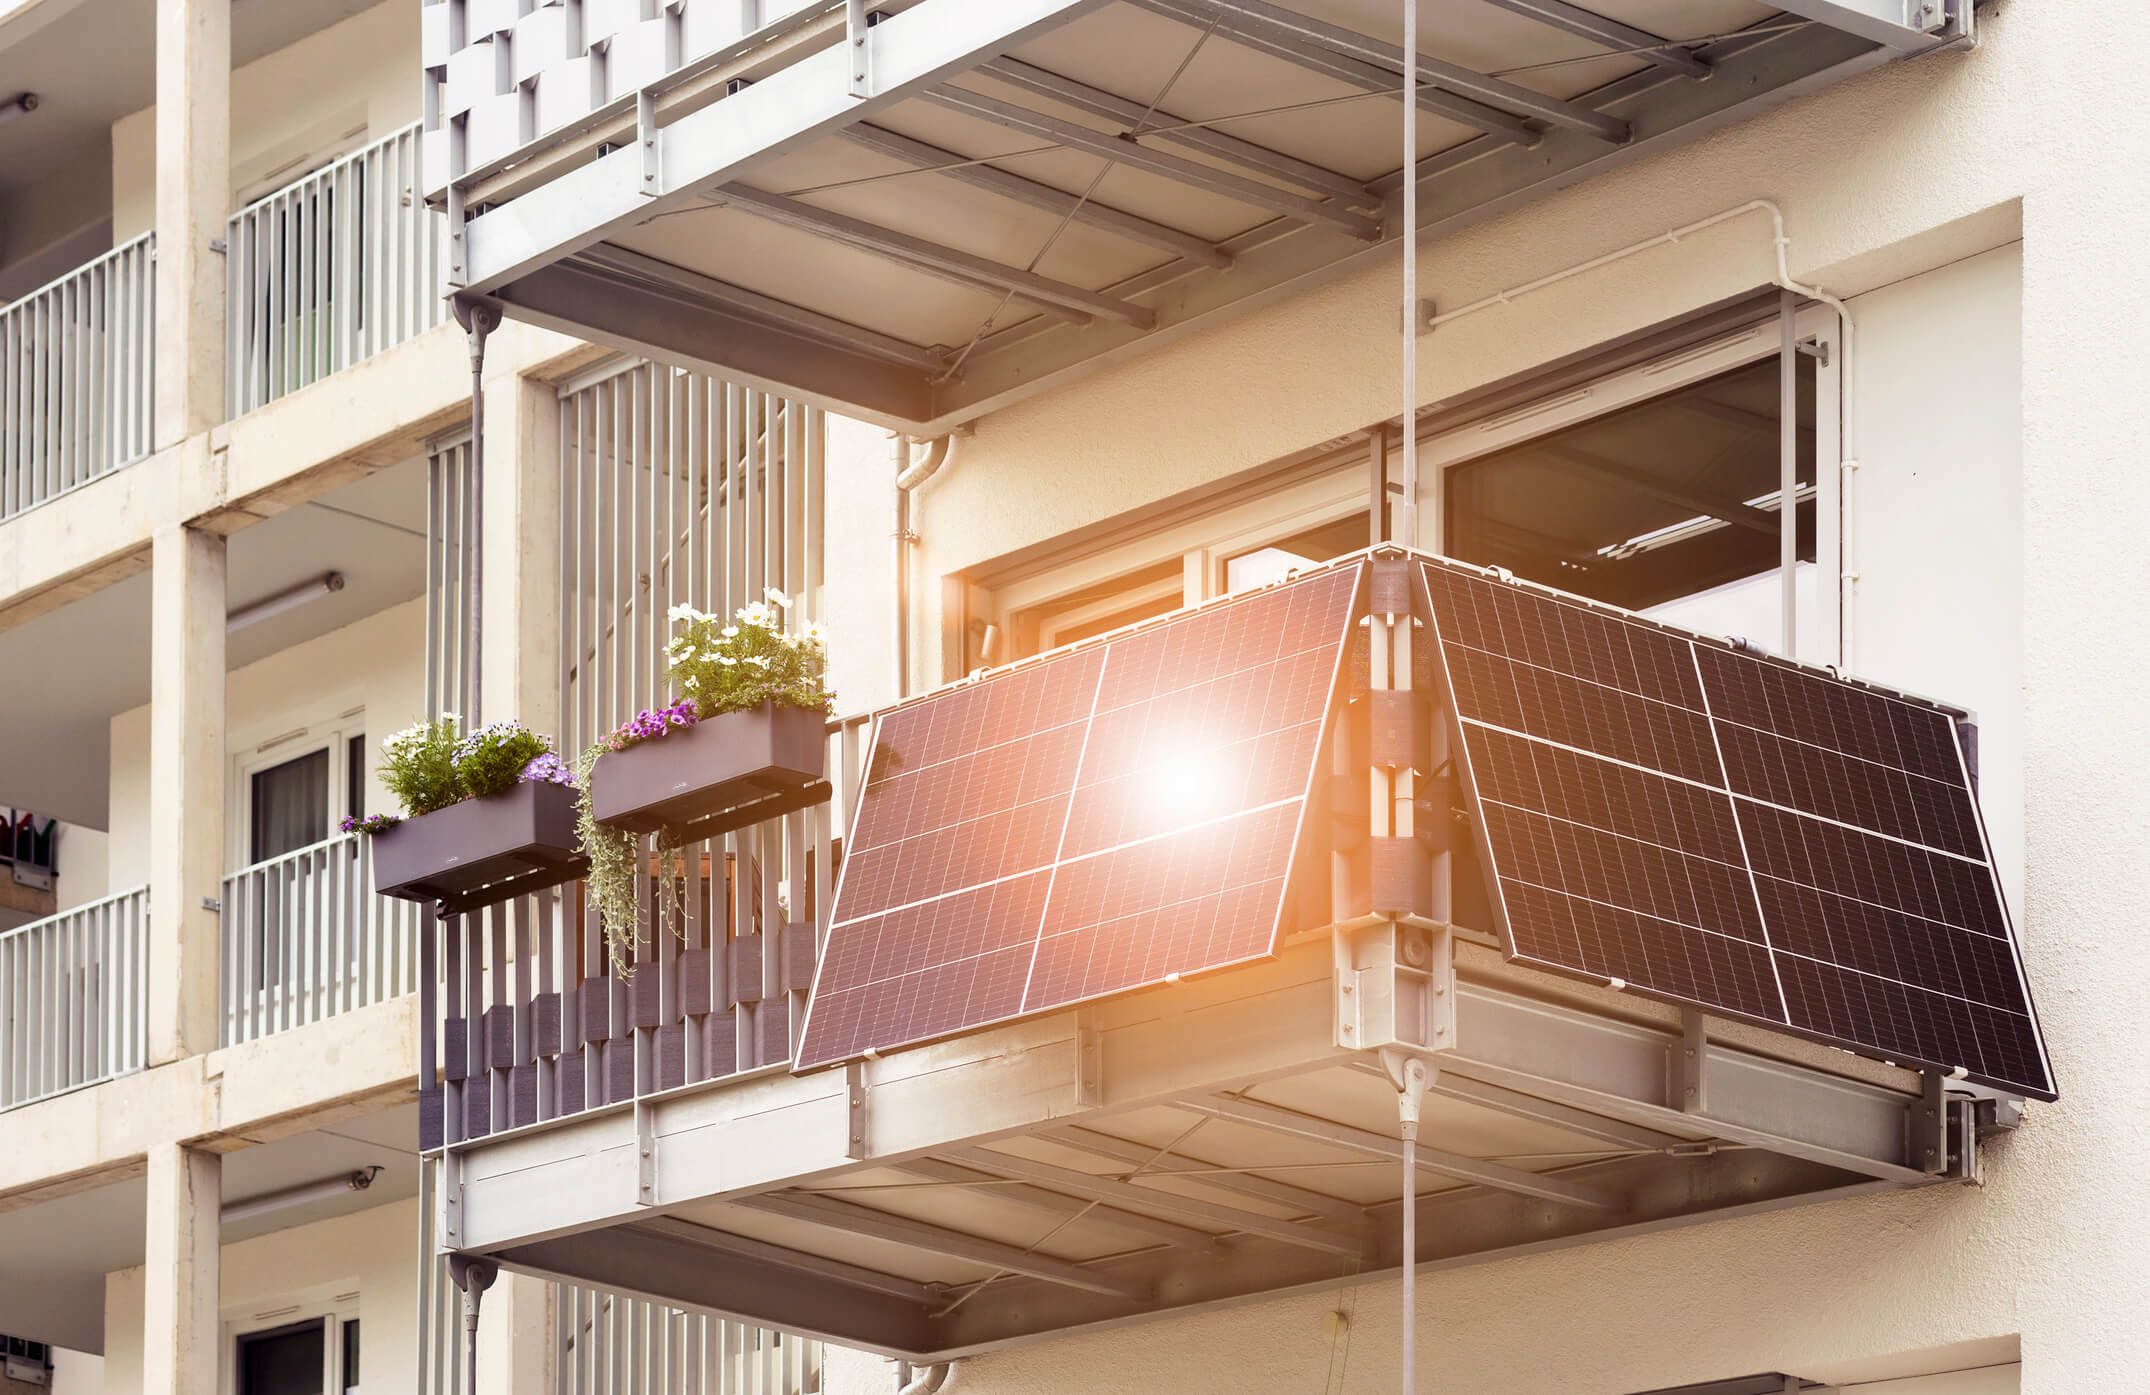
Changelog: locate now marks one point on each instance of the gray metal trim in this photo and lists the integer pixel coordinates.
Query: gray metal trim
(1599, 29)
(1908, 26)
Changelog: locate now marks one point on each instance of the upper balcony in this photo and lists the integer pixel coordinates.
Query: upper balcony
(919, 210)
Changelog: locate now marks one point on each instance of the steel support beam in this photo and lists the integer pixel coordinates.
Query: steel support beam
(1501, 1177)
(1622, 38)
(1090, 213)
(1367, 77)
(1192, 173)
(1056, 298)
(1907, 26)
(1247, 1184)
(762, 1252)
(1256, 17)
(813, 325)
(900, 1230)
(1054, 1203)
(1231, 149)
(1186, 1208)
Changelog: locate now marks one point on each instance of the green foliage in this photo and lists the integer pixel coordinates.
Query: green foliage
(492, 759)
(418, 765)
(732, 666)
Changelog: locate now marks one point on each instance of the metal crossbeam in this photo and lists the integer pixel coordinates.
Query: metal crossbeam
(1244, 153)
(1111, 1189)
(900, 1230)
(1367, 77)
(1193, 173)
(1056, 297)
(1611, 1132)
(1700, 500)
(1257, 17)
(1905, 25)
(1241, 1110)
(1624, 38)
(1056, 1204)
(762, 1252)
(812, 324)
(1239, 1183)
(1089, 212)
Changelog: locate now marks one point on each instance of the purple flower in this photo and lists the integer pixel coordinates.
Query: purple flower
(372, 823)
(549, 769)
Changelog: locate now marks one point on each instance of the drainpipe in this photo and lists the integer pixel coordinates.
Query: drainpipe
(478, 318)
(473, 1276)
(910, 474)
(930, 1381)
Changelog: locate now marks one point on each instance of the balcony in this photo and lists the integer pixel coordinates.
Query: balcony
(77, 377)
(74, 999)
(921, 212)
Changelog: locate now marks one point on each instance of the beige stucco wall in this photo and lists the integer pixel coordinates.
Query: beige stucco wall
(295, 104)
(377, 663)
(2002, 378)
(371, 1253)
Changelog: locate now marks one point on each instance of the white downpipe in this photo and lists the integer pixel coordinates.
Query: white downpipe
(1848, 453)
(910, 474)
(933, 1380)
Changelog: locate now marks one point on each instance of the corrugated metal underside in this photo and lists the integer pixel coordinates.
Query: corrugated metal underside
(1032, 187)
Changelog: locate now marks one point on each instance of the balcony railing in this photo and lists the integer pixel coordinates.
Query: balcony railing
(613, 1345)
(73, 998)
(76, 388)
(330, 270)
(305, 938)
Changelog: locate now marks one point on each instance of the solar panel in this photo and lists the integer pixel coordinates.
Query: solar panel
(1094, 821)
(1666, 813)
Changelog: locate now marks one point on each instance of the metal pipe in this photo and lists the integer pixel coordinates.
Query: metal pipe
(1407, 511)
(931, 1381)
(478, 318)
(910, 474)
(1788, 466)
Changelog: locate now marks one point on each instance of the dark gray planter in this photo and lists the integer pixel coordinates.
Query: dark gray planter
(482, 850)
(735, 769)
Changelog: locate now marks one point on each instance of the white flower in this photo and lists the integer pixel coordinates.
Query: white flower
(729, 631)
(683, 611)
(815, 633)
(778, 598)
(758, 661)
(727, 660)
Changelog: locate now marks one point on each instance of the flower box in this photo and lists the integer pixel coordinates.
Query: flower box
(722, 773)
(480, 851)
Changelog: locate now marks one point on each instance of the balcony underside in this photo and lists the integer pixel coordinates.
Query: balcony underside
(806, 238)
(1188, 1147)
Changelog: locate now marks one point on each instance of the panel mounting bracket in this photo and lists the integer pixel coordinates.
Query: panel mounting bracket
(1687, 1062)
(645, 1155)
(1089, 1061)
(855, 1110)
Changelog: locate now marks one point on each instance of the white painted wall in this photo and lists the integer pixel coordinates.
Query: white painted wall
(374, 1253)
(359, 77)
(377, 663)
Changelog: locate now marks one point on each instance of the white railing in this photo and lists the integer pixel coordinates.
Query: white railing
(610, 1345)
(305, 938)
(74, 998)
(330, 270)
(76, 387)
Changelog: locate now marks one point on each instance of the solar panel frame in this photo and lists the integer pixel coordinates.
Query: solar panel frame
(1468, 777)
(1353, 608)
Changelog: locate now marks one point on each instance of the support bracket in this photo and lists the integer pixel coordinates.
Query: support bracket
(645, 1155)
(1686, 1064)
(1089, 1061)
(855, 1110)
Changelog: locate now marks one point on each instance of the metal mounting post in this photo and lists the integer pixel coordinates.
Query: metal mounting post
(1412, 1077)
(856, 25)
(645, 1155)
(479, 318)
(855, 1109)
(1089, 1061)
(474, 1276)
(1689, 1057)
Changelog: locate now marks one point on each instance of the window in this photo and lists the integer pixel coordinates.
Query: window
(309, 1348)
(1647, 477)
(295, 787)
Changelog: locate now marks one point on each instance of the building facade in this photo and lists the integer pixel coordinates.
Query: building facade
(1690, 269)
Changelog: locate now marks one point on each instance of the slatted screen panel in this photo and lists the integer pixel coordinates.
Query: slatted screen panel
(1722, 829)
(1085, 824)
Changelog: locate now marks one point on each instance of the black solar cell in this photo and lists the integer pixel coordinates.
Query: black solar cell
(1089, 823)
(1722, 829)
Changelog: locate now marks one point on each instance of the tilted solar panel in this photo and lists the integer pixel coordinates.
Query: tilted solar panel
(1087, 823)
(1660, 810)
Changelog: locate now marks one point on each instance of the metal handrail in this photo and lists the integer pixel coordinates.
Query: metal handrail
(303, 937)
(77, 376)
(74, 998)
(329, 270)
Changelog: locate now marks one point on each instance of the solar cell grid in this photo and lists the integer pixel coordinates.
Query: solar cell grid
(1793, 848)
(1138, 798)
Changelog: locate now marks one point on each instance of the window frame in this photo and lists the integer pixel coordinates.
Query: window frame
(333, 734)
(1030, 606)
(333, 1308)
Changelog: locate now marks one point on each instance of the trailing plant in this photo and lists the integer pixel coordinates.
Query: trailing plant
(718, 666)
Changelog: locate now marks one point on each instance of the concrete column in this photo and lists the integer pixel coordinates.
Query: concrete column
(519, 651)
(517, 1337)
(180, 1272)
(186, 788)
(193, 200)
